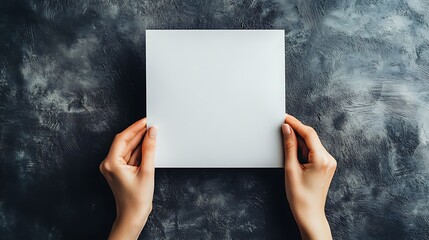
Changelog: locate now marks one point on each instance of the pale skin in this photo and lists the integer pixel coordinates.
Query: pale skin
(129, 170)
(307, 184)
(130, 173)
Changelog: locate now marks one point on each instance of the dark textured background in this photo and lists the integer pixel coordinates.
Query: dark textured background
(72, 74)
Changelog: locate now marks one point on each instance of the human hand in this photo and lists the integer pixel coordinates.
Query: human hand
(307, 183)
(129, 170)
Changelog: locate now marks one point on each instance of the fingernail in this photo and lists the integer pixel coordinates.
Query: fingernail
(153, 131)
(286, 129)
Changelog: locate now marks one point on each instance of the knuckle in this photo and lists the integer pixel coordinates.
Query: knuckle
(328, 164)
(307, 132)
(334, 163)
(324, 163)
(118, 136)
(105, 167)
(289, 145)
(311, 132)
(149, 146)
(100, 167)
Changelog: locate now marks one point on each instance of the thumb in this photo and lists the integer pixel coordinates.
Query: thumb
(147, 165)
(290, 146)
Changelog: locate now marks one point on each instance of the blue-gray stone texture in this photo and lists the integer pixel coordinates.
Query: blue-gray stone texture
(72, 75)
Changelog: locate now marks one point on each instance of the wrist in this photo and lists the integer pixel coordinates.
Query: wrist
(128, 225)
(313, 225)
(134, 216)
(125, 228)
(306, 216)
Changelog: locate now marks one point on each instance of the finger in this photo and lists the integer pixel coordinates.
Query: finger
(131, 146)
(121, 140)
(147, 165)
(307, 133)
(291, 148)
(136, 156)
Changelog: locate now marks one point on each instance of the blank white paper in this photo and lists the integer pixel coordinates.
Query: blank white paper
(217, 97)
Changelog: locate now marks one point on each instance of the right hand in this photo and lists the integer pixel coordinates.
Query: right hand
(307, 182)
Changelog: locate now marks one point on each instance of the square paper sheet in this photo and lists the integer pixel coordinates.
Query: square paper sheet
(217, 97)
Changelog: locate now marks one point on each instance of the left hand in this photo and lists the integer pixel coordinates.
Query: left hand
(129, 170)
